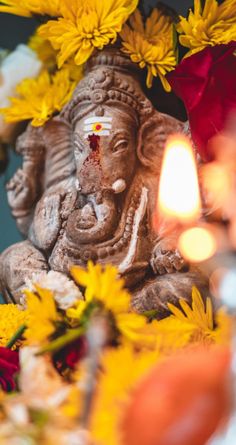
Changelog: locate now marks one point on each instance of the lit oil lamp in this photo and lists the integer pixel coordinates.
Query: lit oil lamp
(179, 204)
(179, 196)
(179, 201)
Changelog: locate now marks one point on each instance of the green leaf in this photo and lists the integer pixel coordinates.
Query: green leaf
(18, 334)
(70, 336)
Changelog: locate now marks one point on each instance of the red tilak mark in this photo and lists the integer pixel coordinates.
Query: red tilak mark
(98, 127)
(94, 140)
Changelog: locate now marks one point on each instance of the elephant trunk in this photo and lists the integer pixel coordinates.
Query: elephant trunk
(95, 221)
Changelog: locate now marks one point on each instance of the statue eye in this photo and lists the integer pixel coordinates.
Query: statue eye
(120, 145)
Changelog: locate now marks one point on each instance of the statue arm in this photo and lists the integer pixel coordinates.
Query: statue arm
(25, 187)
(166, 257)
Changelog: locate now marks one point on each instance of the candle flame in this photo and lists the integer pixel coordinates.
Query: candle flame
(179, 196)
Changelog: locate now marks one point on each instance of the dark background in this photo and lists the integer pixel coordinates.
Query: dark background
(15, 30)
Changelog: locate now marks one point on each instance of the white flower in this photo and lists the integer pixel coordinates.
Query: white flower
(39, 382)
(74, 437)
(17, 412)
(66, 293)
(20, 64)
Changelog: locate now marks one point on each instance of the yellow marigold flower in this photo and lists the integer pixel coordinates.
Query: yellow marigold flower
(114, 388)
(86, 25)
(39, 99)
(11, 319)
(151, 45)
(209, 26)
(42, 315)
(28, 8)
(103, 285)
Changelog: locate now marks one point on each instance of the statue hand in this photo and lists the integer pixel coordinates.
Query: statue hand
(21, 191)
(166, 258)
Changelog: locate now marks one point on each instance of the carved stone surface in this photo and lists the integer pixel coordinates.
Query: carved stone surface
(87, 190)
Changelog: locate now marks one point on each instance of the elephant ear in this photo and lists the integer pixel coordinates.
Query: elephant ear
(59, 158)
(152, 138)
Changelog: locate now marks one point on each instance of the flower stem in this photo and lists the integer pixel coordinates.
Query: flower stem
(18, 334)
(62, 341)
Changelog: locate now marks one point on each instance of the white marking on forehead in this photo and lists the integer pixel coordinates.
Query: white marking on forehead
(94, 119)
(104, 126)
(99, 125)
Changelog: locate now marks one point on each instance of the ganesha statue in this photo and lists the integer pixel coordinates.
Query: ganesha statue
(88, 186)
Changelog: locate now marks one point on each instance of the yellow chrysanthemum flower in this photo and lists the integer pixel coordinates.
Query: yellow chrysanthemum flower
(11, 319)
(104, 286)
(114, 388)
(28, 8)
(222, 335)
(42, 315)
(76, 72)
(199, 315)
(209, 26)
(71, 408)
(44, 50)
(39, 99)
(76, 312)
(192, 324)
(86, 25)
(155, 25)
(47, 54)
(187, 326)
(151, 45)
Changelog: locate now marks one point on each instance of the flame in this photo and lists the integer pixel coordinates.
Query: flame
(179, 196)
(197, 244)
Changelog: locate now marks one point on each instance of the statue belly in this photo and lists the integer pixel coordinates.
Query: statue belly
(116, 252)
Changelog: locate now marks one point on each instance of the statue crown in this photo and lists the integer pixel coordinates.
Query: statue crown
(111, 78)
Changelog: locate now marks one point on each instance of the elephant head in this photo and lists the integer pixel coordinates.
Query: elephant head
(118, 140)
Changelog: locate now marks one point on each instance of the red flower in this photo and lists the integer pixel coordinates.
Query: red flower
(206, 83)
(9, 365)
(69, 356)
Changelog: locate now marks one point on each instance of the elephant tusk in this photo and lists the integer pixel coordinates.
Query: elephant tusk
(119, 186)
(139, 215)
